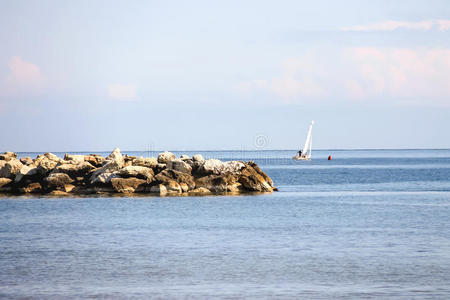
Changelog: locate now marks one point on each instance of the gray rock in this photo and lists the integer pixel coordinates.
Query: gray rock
(58, 180)
(25, 171)
(158, 189)
(74, 168)
(179, 165)
(106, 173)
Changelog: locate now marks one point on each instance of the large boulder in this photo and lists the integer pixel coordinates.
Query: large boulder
(33, 187)
(58, 180)
(215, 166)
(112, 164)
(200, 191)
(26, 160)
(74, 157)
(94, 159)
(128, 185)
(260, 172)
(179, 165)
(7, 156)
(173, 187)
(253, 181)
(11, 168)
(233, 167)
(212, 166)
(198, 158)
(74, 168)
(46, 165)
(165, 157)
(105, 174)
(25, 171)
(47, 162)
(166, 176)
(136, 171)
(116, 157)
(52, 156)
(219, 183)
(5, 184)
(149, 162)
(159, 189)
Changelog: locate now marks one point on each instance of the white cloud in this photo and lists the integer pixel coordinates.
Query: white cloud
(24, 78)
(122, 91)
(391, 25)
(382, 74)
(402, 73)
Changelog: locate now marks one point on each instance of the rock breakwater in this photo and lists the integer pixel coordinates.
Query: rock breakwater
(117, 173)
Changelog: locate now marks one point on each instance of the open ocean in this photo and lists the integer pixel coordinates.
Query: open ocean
(371, 224)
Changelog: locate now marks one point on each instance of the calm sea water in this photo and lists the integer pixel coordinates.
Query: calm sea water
(367, 224)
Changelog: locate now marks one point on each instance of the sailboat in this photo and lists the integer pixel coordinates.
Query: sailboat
(305, 154)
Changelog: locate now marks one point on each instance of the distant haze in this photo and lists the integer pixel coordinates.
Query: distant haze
(183, 75)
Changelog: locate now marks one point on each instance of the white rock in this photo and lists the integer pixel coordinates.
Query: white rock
(232, 167)
(165, 157)
(198, 158)
(212, 165)
(136, 171)
(217, 167)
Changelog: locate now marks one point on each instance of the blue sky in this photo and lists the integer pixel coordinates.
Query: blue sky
(181, 75)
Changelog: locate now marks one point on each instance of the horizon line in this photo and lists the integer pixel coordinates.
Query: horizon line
(243, 150)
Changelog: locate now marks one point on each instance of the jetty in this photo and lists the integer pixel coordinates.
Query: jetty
(163, 175)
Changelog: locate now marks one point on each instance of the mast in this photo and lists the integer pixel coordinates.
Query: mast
(308, 139)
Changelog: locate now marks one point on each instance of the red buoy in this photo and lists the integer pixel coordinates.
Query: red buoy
(329, 157)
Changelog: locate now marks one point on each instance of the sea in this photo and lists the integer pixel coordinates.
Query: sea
(367, 224)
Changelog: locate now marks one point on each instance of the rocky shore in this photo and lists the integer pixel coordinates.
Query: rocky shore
(117, 173)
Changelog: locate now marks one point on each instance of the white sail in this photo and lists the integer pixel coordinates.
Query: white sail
(307, 149)
(308, 139)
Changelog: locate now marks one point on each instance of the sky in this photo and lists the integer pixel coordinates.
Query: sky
(213, 75)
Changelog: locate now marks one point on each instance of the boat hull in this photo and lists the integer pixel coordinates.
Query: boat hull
(297, 157)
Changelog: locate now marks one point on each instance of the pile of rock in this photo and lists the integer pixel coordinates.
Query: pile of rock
(117, 173)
